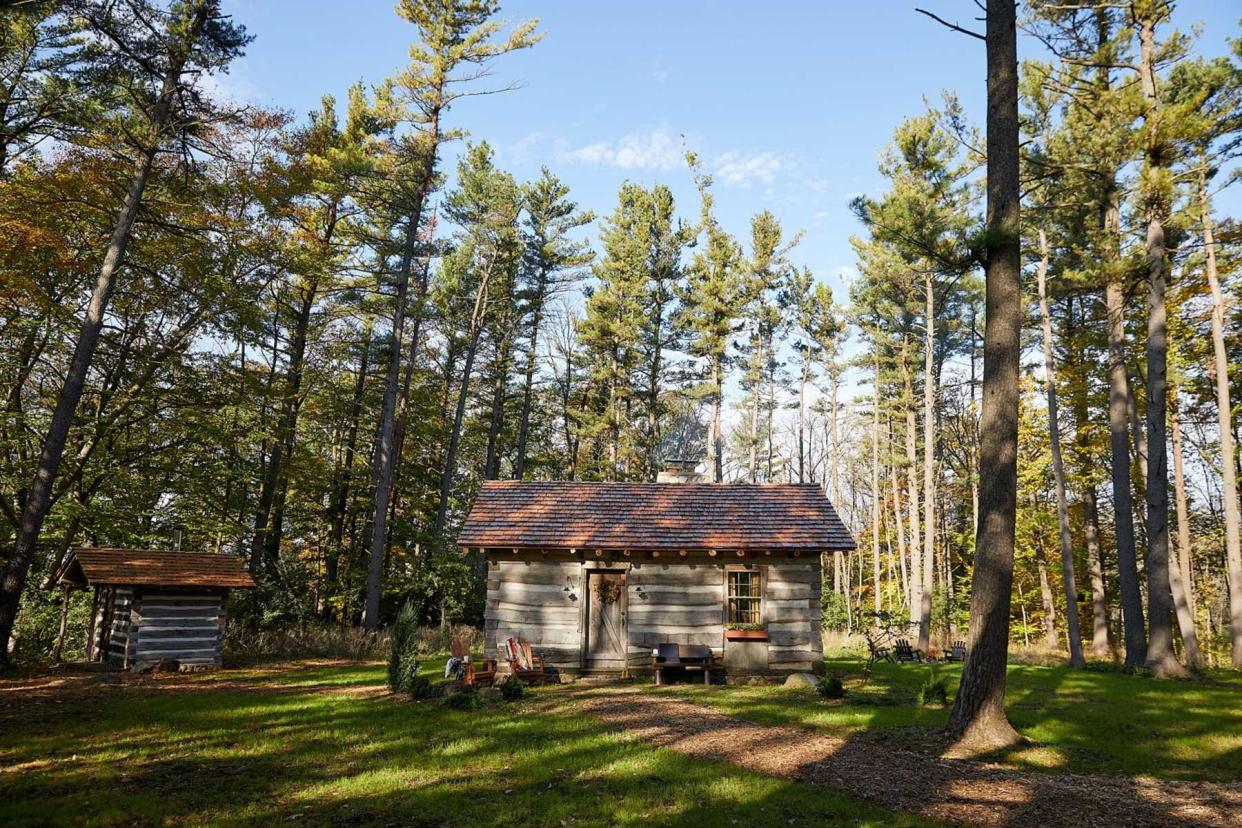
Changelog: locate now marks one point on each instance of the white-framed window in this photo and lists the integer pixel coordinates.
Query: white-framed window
(744, 596)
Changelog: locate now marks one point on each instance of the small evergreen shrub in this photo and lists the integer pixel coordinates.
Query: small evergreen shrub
(830, 687)
(935, 690)
(512, 689)
(419, 687)
(463, 698)
(403, 650)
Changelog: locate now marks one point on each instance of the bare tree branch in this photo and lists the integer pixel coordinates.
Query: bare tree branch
(949, 25)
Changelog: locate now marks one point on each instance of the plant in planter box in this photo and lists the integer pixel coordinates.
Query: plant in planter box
(745, 631)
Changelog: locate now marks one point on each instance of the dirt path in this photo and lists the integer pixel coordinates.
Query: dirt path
(954, 791)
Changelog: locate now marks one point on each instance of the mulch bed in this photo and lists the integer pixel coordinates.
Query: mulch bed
(950, 790)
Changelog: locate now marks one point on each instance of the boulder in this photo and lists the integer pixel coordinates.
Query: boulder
(802, 680)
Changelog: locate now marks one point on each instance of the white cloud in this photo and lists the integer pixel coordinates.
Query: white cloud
(519, 152)
(743, 170)
(662, 150)
(657, 149)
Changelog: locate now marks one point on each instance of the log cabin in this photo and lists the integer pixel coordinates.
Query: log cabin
(596, 575)
(152, 606)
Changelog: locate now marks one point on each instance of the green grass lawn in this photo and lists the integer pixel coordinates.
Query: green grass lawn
(325, 745)
(1075, 720)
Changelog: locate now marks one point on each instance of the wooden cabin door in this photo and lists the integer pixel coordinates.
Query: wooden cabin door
(605, 629)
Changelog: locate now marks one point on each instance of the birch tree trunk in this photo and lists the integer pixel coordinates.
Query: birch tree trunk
(1224, 413)
(1179, 565)
(1058, 467)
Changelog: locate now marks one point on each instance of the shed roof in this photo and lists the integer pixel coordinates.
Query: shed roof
(96, 566)
(563, 514)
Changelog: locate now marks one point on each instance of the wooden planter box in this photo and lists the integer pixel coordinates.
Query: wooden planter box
(746, 635)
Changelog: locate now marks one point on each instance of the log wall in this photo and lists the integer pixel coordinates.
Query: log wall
(181, 626)
(539, 597)
(148, 627)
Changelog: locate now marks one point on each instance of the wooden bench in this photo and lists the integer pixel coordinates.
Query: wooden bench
(685, 658)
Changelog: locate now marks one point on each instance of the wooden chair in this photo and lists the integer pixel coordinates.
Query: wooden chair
(519, 652)
(957, 652)
(482, 676)
(684, 658)
(876, 652)
(905, 653)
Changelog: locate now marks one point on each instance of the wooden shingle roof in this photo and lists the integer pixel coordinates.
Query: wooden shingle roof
(653, 516)
(95, 566)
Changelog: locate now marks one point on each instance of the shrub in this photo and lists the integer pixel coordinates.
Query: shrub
(830, 687)
(403, 650)
(419, 687)
(464, 698)
(833, 610)
(935, 690)
(310, 639)
(512, 689)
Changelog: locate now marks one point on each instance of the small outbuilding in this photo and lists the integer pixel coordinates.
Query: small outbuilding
(151, 606)
(595, 576)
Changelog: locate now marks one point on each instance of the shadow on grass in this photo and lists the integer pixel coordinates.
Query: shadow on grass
(1078, 721)
(292, 749)
(898, 777)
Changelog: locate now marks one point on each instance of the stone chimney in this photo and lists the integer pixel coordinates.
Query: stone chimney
(680, 471)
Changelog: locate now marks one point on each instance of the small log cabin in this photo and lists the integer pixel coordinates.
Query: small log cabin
(154, 606)
(597, 575)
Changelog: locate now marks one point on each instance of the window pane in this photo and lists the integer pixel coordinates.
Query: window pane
(744, 598)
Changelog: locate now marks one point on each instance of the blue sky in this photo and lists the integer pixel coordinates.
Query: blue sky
(789, 103)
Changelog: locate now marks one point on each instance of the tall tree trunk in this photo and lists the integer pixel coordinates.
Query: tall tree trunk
(449, 472)
(1058, 467)
(978, 718)
(1050, 611)
(39, 492)
(717, 447)
(1160, 656)
(906, 576)
(1224, 414)
(806, 367)
(1179, 568)
(1119, 441)
(929, 469)
(500, 384)
(916, 537)
(385, 446)
(340, 497)
(875, 483)
(528, 384)
(269, 515)
(1101, 645)
(833, 464)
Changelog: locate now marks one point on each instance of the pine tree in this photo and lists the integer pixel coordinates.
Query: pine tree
(144, 57)
(711, 305)
(456, 43)
(552, 262)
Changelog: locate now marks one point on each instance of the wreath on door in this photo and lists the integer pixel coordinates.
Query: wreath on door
(608, 592)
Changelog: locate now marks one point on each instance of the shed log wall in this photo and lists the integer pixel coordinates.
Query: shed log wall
(147, 627)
